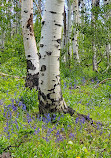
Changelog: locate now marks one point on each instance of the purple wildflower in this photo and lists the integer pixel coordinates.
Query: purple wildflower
(62, 129)
(82, 120)
(24, 107)
(65, 85)
(37, 131)
(59, 138)
(14, 107)
(77, 119)
(74, 86)
(47, 140)
(58, 133)
(1, 102)
(71, 135)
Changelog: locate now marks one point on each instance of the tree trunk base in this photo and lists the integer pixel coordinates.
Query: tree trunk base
(73, 113)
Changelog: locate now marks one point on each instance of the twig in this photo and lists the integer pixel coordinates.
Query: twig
(37, 7)
(102, 82)
(17, 77)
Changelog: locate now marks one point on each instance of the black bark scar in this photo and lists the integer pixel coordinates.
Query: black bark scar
(53, 12)
(58, 25)
(48, 53)
(43, 68)
(30, 65)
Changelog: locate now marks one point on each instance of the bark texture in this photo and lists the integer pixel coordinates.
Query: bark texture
(75, 31)
(32, 77)
(108, 45)
(95, 3)
(50, 95)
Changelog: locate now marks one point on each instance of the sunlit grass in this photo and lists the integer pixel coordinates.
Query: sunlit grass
(26, 135)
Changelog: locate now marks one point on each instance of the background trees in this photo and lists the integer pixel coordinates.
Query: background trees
(78, 34)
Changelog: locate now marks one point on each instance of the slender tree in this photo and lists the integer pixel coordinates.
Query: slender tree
(30, 44)
(108, 45)
(76, 21)
(95, 3)
(50, 95)
(68, 33)
(63, 43)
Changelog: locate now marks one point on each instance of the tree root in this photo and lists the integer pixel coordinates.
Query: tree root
(73, 113)
(85, 117)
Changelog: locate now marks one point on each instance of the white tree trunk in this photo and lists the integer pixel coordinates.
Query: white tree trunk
(108, 45)
(69, 48)
(63, 42)
(50, 95)
(76, 21)
(30, 44)
(95, 66)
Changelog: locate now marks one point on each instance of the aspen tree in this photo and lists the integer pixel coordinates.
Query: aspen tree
(30, 44)
(50, 95)
(95, 3)
(76, 21)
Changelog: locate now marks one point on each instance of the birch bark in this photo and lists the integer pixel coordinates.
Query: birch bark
(108, 45)
(69, 50)
(95, 66)
(50, 95)
(63, 43)
(76, 21)
(30, 44)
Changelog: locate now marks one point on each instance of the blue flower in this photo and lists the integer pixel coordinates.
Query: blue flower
(71, 135)
(24, 107)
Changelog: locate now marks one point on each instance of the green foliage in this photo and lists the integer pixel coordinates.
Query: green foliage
(29, 98)
(37, 28)
(13, 48)
(33, 136)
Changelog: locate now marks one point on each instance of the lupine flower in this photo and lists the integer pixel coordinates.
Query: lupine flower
(49, 132)
(62, 129)
(14, 107)
(1, 102)
(58, 133)
(20, 103)
(71, 135)
(92, 80)
(8, 135)
(48, 118)
(65, 85)
(37, 131)
(74, 86)
(17, 114)
(82, 120)
(29, 118)
(59, 137)
(77, 119)
(68, 126)
(83, 80)
(47, 140)
(24, 107)
(71, 85)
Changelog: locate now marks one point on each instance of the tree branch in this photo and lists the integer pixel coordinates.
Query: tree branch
(102, 82)
(17, 77)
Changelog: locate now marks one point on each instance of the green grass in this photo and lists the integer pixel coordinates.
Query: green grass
(69, 137)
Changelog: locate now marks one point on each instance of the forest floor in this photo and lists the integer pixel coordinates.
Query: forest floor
(24, 135)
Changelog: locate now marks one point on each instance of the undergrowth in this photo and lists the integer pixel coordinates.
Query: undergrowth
(26, 135)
